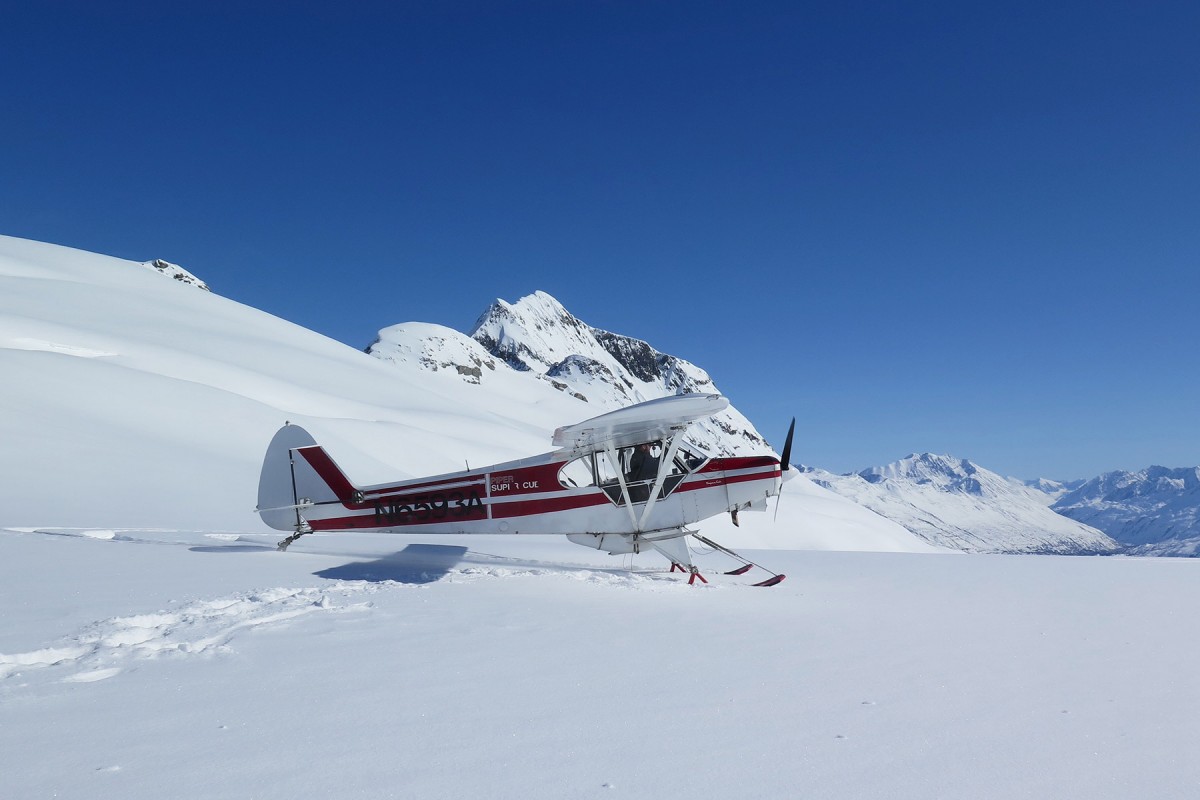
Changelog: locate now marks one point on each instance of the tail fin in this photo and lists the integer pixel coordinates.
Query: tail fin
(297, 472)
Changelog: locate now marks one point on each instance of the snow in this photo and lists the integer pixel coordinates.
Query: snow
(155, 643)
(368, 666)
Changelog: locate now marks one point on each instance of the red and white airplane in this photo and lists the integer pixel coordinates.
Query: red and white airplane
(621, 482)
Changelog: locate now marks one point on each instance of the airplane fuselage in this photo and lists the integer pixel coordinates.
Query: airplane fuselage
(532, 496)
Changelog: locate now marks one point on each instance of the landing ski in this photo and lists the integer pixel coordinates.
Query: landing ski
(747, 564)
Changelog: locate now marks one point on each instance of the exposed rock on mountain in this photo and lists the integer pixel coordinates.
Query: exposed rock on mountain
(433, 347)
(175, 271)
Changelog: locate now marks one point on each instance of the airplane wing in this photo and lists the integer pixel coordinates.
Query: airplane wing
(654, 419)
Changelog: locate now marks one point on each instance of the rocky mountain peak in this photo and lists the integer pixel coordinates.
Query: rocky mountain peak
(538, 337)
(535, 333)
(945, 472)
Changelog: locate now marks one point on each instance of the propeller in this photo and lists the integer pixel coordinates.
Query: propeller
(785, 457)
(784, 463)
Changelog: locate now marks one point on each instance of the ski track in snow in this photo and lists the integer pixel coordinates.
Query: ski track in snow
(107, 647)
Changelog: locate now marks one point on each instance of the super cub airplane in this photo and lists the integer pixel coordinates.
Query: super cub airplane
(621, 482)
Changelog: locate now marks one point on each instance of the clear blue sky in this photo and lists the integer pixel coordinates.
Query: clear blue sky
(954, 227)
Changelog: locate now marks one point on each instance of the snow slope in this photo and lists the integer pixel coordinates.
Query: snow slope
(151, 402)
(954, 503)
(135, 400)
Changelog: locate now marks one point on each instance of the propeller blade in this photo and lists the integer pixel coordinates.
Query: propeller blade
(785, 463)
(785, 457)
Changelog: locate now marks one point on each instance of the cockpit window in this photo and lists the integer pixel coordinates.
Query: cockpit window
(639, 465)
(579, 472)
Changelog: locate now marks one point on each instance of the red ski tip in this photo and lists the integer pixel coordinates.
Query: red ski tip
(741, 570)
(770, 581)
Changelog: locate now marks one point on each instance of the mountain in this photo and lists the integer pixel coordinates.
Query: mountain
(536, 337)
(134, 399)
(1052, 489)
(952, 502)
(1153, 511)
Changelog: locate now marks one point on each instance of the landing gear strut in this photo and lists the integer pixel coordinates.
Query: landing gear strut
(301, 529)
(695, 572)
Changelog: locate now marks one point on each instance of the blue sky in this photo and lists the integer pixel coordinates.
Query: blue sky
(952, 227)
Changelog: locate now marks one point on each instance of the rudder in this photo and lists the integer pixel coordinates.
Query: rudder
(297, 470)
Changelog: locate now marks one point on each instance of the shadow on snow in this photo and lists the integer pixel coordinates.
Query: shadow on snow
(416, 563)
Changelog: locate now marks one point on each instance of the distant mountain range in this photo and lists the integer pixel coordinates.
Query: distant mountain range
(954, 503)
(1155, 511)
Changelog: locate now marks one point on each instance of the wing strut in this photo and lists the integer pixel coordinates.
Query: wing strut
(664, 467)
(616, 466)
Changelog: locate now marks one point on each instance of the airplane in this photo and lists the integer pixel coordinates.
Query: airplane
(622, 482)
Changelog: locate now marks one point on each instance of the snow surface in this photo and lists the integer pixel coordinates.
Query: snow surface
(140, 664)
(155, 644)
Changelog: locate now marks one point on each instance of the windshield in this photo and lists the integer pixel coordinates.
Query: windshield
(639, 465)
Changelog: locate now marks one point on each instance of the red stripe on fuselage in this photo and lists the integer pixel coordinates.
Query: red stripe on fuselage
(500, 510)
(738, 462)
(515, 493)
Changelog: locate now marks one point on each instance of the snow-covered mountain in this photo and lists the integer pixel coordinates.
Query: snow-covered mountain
(1153, 511)
(1051, 488)
(133, 400)
(538, 339)
(951, 502)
